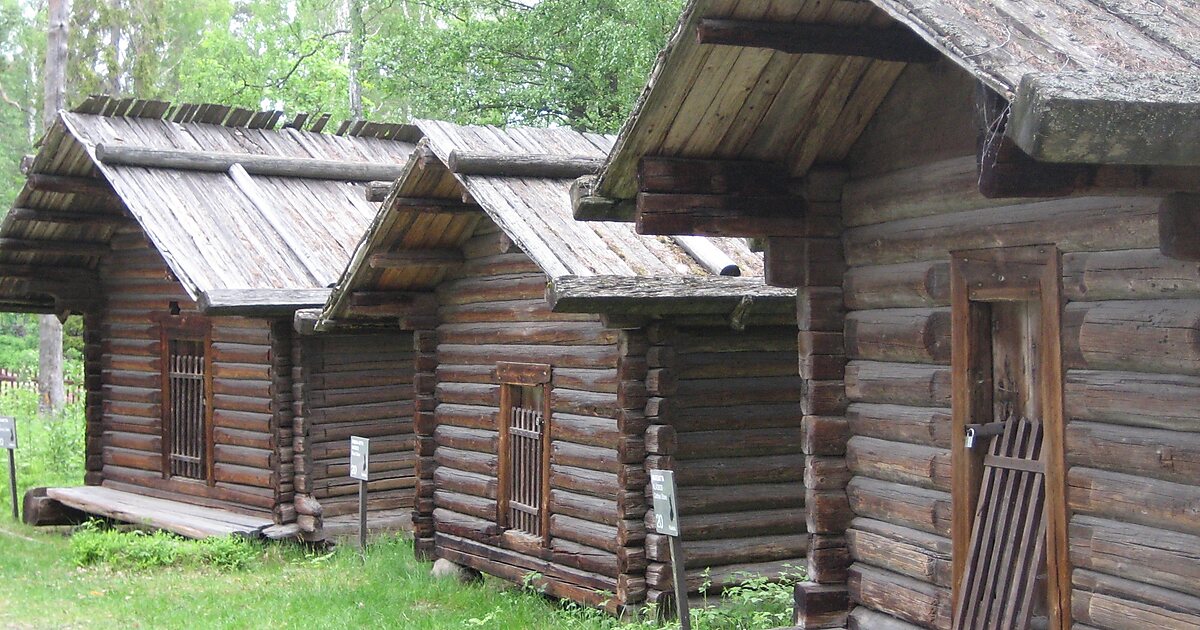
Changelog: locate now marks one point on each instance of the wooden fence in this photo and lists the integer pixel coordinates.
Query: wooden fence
(14, 380)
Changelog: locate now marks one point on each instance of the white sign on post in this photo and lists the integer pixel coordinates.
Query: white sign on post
(8, 432)
(359, 457)
(666, 516)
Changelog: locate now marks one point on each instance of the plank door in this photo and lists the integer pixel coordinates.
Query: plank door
(1008, 494)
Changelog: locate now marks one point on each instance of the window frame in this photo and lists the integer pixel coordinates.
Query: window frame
(185, 328)
(510, 376)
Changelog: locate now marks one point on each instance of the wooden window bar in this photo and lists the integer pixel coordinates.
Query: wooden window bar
(187, 457)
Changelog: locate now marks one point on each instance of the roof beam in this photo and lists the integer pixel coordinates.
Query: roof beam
(268, 165)
(402, 304)
(68, 184)
(641, 296)
(416, 258)
(587, 206)
(886, 44)
(547, 166)
(262, 302)
(378, 191)
(65, 217)
(64, 248)
(718, 198)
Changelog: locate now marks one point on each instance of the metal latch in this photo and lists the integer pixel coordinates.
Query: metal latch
(982, 431)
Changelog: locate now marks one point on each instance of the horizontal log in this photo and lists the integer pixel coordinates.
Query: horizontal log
(1133, 499)
(549, 333)
(919, 508)
(901, 423)
(740, 470)
(917, 554)
(1168, 455)
(598, 535)
(543, 166)
(64, 217)
(743, 524)
(558, 356)
(1134, 274)
(912, 600)
(911, 464)
(898, 383)
(469, 461)
(67, 184)
(699, 554)
(479, 507)
(738, 443)
(1112, 602)
(590, 431)
(1160, 401)
(1144, 554)
(884, 44)
(716, 418)
(481, 440)
(415, 258)
(906, 335)
(694, 500)
(54, 247)
(1084, 224)
(716, 578)
(255, 164)
(919, 284)
(1150, 336)
(738, 391)
(944, 186)
(728, 215)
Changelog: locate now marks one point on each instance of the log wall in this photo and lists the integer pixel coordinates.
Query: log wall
(493, 309)
(353, 384)
(247, 413)
(1132, 386)
(725, 415)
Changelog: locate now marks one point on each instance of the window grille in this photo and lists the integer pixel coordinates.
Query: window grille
(526, 438)
(185, 420)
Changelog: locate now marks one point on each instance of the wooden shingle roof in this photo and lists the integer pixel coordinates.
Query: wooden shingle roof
(1094, 81)
(235, 235)
(606, 260)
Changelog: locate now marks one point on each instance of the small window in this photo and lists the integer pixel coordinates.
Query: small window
(524, 448)
(186, 414)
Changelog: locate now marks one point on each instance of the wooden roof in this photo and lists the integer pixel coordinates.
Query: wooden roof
(1104, 81)
(534, 211)
(238, 237)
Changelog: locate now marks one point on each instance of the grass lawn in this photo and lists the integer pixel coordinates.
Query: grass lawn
(277, 586)
(41, 587)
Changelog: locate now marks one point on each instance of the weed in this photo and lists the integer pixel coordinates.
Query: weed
(95, 544)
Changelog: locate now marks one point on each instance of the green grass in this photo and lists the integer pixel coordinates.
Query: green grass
(102, 578)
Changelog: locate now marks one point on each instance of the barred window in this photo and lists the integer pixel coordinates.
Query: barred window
(524, 448)
(186, 413)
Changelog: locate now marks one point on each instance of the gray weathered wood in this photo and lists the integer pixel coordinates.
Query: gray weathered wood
(549, 166)
(270, 165)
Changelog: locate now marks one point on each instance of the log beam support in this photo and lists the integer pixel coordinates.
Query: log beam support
(66, 184)
(416, 258)
(717, 198)
(528, 165)
(888, 44)
(35, 215)
(821, 605)
(425, 344)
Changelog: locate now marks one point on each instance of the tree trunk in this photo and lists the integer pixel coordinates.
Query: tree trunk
(354, 53)
(51, 392)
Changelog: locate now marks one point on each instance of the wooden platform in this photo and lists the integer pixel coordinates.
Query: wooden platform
(193, 521)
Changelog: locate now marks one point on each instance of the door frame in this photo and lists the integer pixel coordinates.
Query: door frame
(979, 278)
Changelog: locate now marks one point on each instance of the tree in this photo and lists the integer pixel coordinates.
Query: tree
(51, 391)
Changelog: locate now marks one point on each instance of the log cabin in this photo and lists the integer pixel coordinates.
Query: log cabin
(188, 237)
(563, 360)
(989, 210)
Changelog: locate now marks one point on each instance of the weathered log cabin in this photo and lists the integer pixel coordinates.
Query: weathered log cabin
(560, 360)
(990, 212)
(188, 237)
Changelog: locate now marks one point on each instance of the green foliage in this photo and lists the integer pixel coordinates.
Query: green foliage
(93, 543)
(49, 448)
(556, 62)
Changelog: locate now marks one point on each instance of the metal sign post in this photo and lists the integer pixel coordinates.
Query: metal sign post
(8, 441)
(666, 522)
(360, 452)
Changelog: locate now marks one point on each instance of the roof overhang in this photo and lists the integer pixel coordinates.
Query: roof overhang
(680, 295)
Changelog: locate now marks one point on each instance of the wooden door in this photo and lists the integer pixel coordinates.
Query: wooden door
(1009, 525)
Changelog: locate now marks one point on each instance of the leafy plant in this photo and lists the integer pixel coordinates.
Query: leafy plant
(95, 544)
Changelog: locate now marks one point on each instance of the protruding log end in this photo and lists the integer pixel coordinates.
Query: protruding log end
(1179, 226)
(821, 605)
